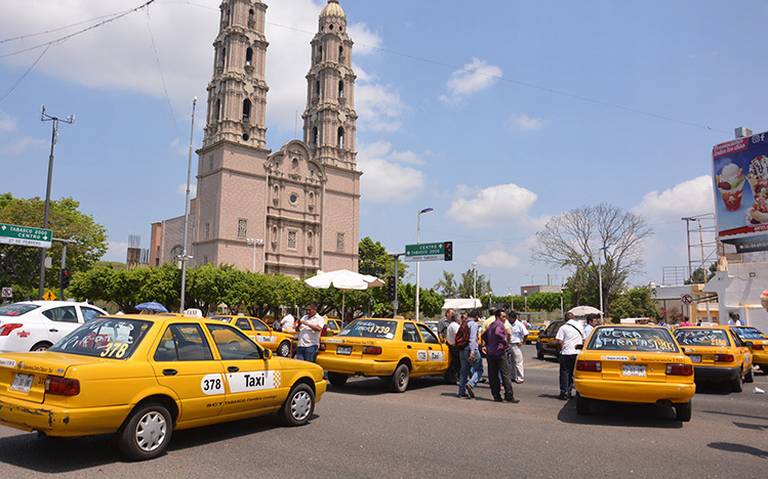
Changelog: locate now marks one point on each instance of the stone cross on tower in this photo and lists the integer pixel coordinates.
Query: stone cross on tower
(330, 117)
(237, 94)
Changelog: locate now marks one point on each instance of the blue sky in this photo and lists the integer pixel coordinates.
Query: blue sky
(458, 131)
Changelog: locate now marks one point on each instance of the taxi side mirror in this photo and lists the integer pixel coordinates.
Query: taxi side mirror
(749, 344)
(267, 353)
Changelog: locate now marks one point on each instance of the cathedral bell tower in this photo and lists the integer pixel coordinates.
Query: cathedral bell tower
(330, 117)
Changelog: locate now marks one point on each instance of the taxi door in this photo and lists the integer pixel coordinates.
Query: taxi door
(744, 355)
(183, 362)
(439, 357)
(251, 385)
(264, 335)
(415, 348)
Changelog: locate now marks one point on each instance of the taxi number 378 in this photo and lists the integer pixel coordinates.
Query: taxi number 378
(211, 384)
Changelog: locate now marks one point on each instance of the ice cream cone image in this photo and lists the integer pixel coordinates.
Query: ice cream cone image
(730, 183)
(758, 181)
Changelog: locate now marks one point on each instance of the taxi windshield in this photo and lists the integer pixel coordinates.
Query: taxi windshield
(633, 339)
(16, 309)
(749, 333)
(368, 328)
(107, 338)
(221, 318)
(702, 337)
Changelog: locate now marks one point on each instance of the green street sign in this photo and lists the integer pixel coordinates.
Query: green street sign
(429, 252)
(25, 236)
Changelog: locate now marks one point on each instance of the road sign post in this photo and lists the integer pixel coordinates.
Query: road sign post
(429, 252)
(7, 293)
(25, 236)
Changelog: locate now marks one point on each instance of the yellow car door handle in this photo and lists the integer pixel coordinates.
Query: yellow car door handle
(409, 347)
(233, 369)
(170, 372)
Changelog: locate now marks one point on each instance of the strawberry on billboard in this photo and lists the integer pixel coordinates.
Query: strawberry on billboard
(741, 192)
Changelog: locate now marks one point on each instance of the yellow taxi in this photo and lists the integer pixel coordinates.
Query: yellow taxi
(276, 341)
(392, 349)
(533, 334)
(142, 377)
(332, 327)
(717, 354)
(634, 364)
(756, 341)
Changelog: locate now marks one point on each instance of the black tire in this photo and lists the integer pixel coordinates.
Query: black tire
(298, 406)
(539, 353)
(284, 349)
(41, 346)
(582, 405)
(750, 377)
(146, 433)
(683, 412)
(337, 380)
(400, 379)
(736, 385)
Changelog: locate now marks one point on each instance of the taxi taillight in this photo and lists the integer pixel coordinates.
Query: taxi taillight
(6, 329)
(724, 358)
(584, 365)
(372, 350)
(679, 370)
(757, 347)
(62, 386)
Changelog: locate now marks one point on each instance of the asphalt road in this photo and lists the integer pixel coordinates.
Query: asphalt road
(364, 431)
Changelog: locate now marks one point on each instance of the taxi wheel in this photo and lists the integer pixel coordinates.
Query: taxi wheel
(401, 378)
(539, 354)
(147, 432)
(750, 377)
(582, 405)
(284, 350)
(683, 412)
(299, 406)
(736, 387)
(337, 380)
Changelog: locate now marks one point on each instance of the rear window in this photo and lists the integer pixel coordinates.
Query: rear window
(366, 328)
(107, 338)
(553, 328)
(702, 337)
(17, 309)
(633, 339)
(749, 333)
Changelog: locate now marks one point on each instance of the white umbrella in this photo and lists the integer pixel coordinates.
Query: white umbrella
(343, 279)
(584, 311)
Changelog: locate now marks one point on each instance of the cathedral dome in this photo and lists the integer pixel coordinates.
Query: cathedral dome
(333, 9)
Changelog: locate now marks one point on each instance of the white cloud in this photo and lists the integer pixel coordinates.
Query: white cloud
(498, 258)
(474, 76)
(523, 122)
(384, 180)
(495, 204)
(116, 251)
(690, 197)
(366, 40)
(21, 145)
(379, 107)
(7, 123)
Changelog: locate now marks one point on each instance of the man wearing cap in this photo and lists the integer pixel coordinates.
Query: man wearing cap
(310, 327)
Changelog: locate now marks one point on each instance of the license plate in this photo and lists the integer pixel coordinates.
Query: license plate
(695, 358)
(22, 383)
(346, 350)
(633, 370)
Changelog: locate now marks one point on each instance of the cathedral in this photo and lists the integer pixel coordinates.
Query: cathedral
(294, 211)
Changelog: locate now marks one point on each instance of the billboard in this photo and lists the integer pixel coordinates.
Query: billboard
(741, 192)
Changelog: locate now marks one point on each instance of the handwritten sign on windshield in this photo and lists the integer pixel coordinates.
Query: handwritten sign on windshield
(625, 339)
(702, 337)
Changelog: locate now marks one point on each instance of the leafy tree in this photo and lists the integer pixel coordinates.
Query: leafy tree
(20, 265)
(634, 303)
(375, 261)
(447, 285)
(466, 289)
(701, 275)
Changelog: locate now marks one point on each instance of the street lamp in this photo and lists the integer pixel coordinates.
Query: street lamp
(254, 242)
(418, 263)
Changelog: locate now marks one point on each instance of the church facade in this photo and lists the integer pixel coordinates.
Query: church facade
(294, 211)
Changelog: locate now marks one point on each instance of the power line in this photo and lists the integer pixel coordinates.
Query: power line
(24, 75)
(58, 29)
(63, 39)
(160, 69)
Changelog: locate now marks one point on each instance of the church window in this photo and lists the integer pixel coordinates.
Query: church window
(249, 56)
(276, 195)
(330, 27)
(311, 202)
(242, 228)
(207, 230)
(295, 163)
(246, 111)
(292, 239)
(210, 162)
(317, 88)
(218, 110)
(251, 14)
(341, 89)
(225, 16)
(294, 199)
(310, 238)
(320, 53)
(340, 142)
(314, 136)
(340, 242)
(341, 54)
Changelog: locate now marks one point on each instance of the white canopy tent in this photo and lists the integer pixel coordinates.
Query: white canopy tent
(343, 279)
(462, 303)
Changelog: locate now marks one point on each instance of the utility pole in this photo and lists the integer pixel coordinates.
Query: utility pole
(395, 301)
(54, 137)
(185, 255)
(418, 263)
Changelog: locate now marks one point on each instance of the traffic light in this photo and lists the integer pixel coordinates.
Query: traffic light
(391, 288)
(448, 250)
(66, 275)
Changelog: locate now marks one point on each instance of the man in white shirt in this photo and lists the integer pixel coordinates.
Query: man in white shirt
(288, 323)
(592, 321)
(517, 339)
(450, 339)
(568, 337)
(310, 327)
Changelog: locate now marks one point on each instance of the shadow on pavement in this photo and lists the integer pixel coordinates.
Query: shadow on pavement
(713, 389)
(375, 386)
(56, 455)
(753, 427)
(732, 447)
(733, 414)
(621, 415)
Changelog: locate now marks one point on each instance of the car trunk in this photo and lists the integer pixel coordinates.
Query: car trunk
(23, 375)
(349, 347)
(704, 355)
(636, 366)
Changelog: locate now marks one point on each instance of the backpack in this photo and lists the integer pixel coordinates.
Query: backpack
(462, 336)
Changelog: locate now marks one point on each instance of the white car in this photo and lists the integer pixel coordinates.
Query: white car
(38, 325)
